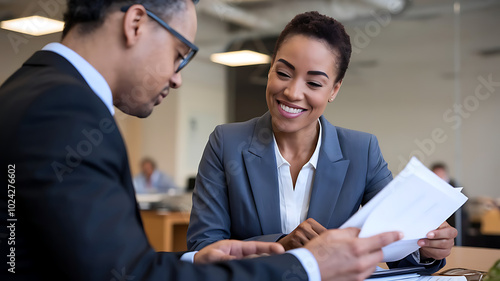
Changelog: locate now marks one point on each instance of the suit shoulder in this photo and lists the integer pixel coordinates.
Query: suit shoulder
(349, 134)
(237, 130)
(31, 86)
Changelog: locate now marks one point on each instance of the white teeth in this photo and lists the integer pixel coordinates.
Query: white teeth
(290, 110)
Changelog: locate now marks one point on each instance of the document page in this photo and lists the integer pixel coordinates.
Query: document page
(415, 202)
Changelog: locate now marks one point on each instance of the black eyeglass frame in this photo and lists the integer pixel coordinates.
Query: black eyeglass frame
(193, 49)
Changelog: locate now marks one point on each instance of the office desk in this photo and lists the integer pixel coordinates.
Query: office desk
(166, 231)
(469, 257)
(472, 258)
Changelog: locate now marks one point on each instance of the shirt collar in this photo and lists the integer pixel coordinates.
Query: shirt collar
(280, 161)
(93, 78)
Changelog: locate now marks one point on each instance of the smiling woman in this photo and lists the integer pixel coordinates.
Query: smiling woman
(289, 175)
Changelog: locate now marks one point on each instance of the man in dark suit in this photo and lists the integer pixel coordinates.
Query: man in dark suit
(69, 211)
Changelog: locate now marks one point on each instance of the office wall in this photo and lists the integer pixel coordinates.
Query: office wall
(398, 89)
(17, 48)
(202, 107)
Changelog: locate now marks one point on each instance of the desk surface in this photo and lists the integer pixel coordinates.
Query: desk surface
(472, 258)
(166, 231)
(481, 259)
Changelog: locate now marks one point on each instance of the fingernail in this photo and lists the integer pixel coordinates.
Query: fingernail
(401, 235)
(421, 242)
(431, 235)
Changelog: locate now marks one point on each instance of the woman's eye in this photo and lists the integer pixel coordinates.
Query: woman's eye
(314, 84)
(282, 74)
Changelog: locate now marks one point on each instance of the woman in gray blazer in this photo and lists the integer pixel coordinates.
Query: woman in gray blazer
(289, 175)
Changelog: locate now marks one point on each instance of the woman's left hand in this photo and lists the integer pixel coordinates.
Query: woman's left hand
(438, 243)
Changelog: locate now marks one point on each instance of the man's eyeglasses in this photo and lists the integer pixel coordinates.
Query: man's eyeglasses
(192, 47)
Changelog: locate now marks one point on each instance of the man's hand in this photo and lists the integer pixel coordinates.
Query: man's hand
(438, 243)
(341, 255)
(234, 249)
(304, 232)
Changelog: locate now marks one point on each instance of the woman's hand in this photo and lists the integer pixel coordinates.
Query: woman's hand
(304, 232)
(438, 243)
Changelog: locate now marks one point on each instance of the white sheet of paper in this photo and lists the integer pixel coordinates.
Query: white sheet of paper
(415, 202)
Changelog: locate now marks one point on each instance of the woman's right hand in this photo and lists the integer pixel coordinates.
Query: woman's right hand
(304, 232)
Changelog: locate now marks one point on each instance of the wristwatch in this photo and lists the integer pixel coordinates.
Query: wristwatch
(427, 261)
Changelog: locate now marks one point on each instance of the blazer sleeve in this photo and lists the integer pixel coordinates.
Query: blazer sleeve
(210, 215)
(78, 219)
(378, 175)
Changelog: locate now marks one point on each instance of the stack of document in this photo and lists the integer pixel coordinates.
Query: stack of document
(415, 202)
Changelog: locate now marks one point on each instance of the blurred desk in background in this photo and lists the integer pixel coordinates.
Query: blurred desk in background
(490, 222)
(166, 230)
(481, 259)
(470, 258)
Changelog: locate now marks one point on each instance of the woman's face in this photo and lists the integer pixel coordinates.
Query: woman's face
(300, 83)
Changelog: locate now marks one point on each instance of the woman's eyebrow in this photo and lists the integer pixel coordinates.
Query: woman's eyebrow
(315, 72)
(287, 64)
(311, 72)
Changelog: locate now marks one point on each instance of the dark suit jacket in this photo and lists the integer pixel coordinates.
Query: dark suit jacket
(236, 194)
(77, 217)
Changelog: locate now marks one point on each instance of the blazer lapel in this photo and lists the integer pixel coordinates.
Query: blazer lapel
(329, 176)
(260, 163)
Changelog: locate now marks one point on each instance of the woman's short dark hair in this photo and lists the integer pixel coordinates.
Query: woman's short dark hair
(325, 28)
(90, 14)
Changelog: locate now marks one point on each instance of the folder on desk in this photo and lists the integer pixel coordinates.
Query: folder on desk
(409, 274)
(415, 202)
(396, 273)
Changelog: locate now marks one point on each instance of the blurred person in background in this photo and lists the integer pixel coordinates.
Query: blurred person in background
(152, 180)
(441, 170)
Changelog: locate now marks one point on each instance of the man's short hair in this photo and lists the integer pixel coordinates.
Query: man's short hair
(88, 15)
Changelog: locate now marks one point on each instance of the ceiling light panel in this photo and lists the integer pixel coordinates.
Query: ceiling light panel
(34, 25)
(240, 58)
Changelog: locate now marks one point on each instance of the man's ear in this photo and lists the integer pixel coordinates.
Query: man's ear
(335, 90)
(133, 24)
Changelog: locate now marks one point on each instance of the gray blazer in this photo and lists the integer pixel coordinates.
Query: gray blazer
(236, 193)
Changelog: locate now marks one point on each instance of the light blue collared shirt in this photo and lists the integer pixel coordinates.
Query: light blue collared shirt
(93, 78)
